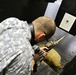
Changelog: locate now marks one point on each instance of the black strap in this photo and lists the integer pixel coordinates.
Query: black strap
(32, 41)
(4, 70)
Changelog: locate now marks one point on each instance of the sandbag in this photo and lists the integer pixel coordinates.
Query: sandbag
(53, 59)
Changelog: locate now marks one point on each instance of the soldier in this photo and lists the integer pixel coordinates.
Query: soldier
(17, 38)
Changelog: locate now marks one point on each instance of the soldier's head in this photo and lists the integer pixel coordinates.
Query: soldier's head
(44, 28)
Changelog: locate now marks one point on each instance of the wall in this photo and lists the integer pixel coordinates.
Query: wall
(68, 7)
(22, 9)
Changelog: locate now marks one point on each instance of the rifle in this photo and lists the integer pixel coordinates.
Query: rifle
(49, 45)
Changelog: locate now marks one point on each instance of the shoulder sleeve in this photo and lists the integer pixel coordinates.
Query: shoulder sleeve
(12, 23)
(12, 40)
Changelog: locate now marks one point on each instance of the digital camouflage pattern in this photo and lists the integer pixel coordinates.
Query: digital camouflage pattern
(15, 48)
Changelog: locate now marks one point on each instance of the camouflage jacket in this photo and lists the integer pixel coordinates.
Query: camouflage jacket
(15, 48)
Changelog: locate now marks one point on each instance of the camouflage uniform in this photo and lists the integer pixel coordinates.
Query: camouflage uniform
(15, 49)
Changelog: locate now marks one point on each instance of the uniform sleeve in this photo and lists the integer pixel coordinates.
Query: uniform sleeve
(11, 23)
(14, 45)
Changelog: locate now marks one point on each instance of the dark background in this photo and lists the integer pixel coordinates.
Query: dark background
(23, 9)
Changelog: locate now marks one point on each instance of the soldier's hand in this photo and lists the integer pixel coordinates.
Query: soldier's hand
(43, 49)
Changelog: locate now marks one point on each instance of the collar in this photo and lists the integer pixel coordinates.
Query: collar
(32, 41)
